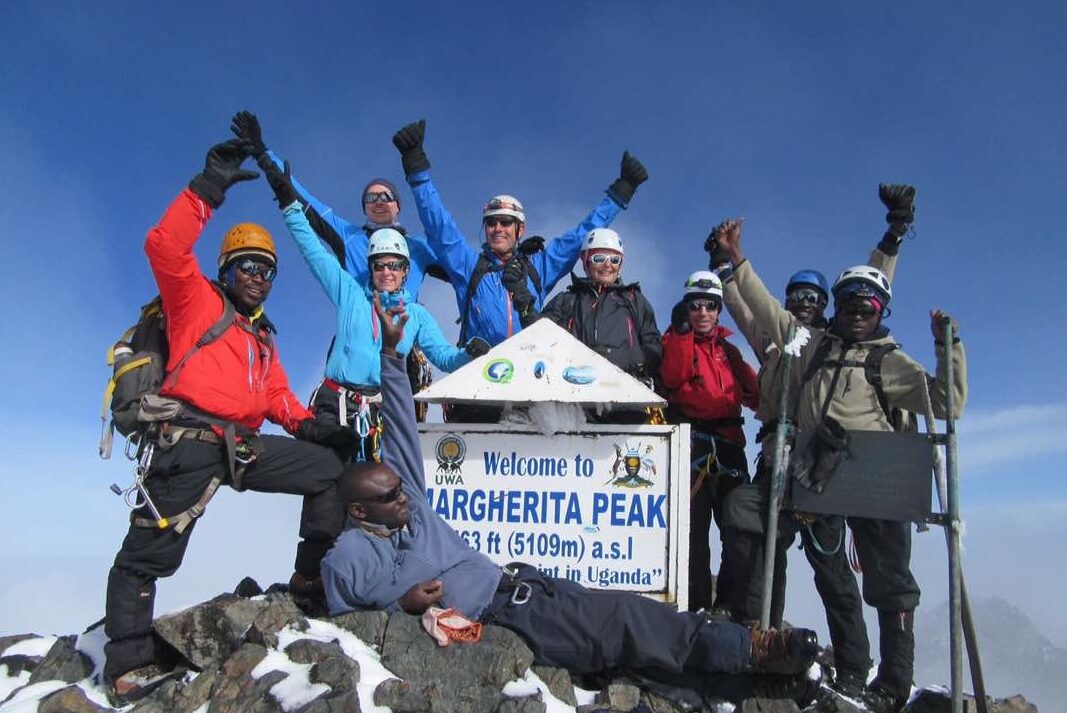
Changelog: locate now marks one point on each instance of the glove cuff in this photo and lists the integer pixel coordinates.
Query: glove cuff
(414, 161)
(209, 191)
(621, 191)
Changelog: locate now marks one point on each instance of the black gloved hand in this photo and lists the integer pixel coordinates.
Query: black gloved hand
(245, 125)
(281, 181)
(531, 245)
(408, 142)
(716, 255)
(341, 439)
(222, 169)
(632, 174)
(476, 347)
(899, 199)
(514, 281)
(680, 318)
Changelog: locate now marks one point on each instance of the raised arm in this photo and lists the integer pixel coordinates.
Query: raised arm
(907, 384)
(559, 255)
(441, 353)
(400, 444)
(443, 234)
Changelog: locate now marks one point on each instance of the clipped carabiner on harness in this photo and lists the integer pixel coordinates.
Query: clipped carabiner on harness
(136, 495)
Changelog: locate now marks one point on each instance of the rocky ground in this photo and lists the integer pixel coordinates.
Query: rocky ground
(266, 653)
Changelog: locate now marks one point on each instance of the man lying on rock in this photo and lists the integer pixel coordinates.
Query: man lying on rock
(398, 554)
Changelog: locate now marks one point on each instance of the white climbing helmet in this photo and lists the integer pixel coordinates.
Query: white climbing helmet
(603, 239)
(387, 241)
(865, 281)
(703, 282)
(504, 205)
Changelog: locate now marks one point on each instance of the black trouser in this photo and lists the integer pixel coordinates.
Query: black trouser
(589, 631)
(706, 503)
(884, 549)
(176, 481)
(325, 405)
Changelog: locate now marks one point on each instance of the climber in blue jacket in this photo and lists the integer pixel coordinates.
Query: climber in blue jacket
(501, 287)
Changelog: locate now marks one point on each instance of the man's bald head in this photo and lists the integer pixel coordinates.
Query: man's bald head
(373, 492)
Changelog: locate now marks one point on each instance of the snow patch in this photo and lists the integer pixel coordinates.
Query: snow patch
(295, 689)
(9, 683)
(91, 643)
(31, 647)
(26, 700)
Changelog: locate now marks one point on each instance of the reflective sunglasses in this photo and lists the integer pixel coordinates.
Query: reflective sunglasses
(378, 197)
(601, 258)
(859, 309)
(394, 265)
(706, 305)
(805, 296)
(253, 268)
(506, 220)
(387, 497)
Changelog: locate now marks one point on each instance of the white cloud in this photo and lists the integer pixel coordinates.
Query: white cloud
(989, 440)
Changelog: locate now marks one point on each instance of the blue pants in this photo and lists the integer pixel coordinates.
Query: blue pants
(588, 631)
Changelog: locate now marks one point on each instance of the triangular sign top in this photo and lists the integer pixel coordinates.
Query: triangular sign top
(541, 363)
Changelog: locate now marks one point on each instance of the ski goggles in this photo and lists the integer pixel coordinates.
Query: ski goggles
(390, 496)
(378, 197)
(393, 265)
(704, 284)
(258, 269)
(706, 305)
(601, 258)
(506, 220)
(806, 296)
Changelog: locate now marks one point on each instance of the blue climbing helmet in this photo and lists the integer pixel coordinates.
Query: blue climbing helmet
(810, 278)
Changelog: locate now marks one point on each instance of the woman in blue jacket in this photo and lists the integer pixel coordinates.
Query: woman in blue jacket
(350, 392)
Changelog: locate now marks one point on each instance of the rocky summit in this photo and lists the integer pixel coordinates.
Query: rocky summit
(268, 652)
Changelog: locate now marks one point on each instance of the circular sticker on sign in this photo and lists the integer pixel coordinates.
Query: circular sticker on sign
(450, 452)
(539, 370)
(579, 374)
(498, 371)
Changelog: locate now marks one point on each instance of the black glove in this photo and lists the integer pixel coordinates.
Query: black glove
(281, 181)
(245, 125)
(222, 169)
(408, 142)
(680, 318)
(514, 281)
(477, 347)
(716, 255)
(340, 439)
(631, 175)
(899, 199)
(531, 245)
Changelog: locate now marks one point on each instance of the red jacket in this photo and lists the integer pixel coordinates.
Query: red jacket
(238, 376)
(708, 379)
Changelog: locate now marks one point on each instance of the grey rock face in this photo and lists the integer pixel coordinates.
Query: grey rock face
(62, 662)
(237, 692)
(369, 626)
(558, 682)
(619, 696)
(68, 700)
(279, 613)
(208, 633)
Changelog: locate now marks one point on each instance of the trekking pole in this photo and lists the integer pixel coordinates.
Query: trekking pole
(953, 512)
(781, 456)
(970, 633)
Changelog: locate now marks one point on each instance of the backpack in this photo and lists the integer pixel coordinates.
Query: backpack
(139, 362)
(872, 371)
(480, 269)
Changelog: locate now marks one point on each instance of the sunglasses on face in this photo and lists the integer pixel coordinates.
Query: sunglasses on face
(253, 268)
(706, 305)
(378, 197)
(601, 258)
(859, 309)
(805, 296)
(506, 220)
(393, 265)
(386, 497)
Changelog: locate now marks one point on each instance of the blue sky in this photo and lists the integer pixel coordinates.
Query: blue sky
(787, 113)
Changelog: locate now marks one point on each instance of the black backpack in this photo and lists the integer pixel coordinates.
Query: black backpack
(483, 266)
(139, 361)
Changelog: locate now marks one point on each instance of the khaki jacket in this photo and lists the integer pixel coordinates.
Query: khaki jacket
(854, 402)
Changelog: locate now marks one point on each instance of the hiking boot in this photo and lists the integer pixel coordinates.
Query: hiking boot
(799, 687)
(879, 700)
(785, 651)
(136, 684)
(849, 685)
(301, 586)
